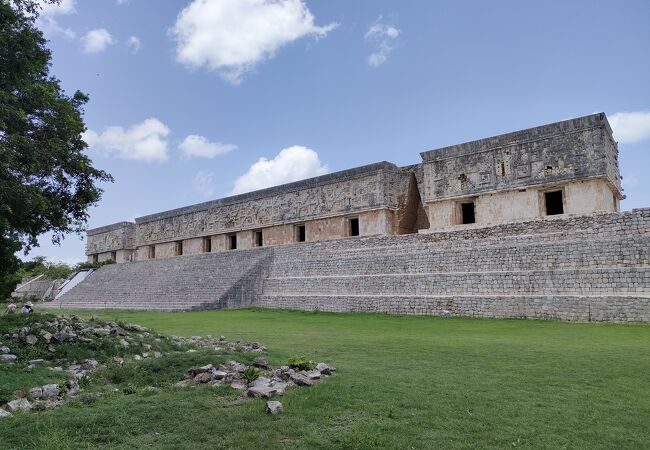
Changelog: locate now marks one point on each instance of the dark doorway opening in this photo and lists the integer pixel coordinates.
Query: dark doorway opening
(354, 227)
(301, 233)
(467, 211)
(179, 248)
(554, 203)
(207, 245)
(232, 242)
(259, 238)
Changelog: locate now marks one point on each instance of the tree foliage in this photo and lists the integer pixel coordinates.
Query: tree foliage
(47, 183)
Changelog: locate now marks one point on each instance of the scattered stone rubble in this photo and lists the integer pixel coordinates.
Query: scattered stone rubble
(49, 396)
(269, 383)
(52, 332)
(274, 407)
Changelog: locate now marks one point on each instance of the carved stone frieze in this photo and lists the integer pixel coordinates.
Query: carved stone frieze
(342, 197)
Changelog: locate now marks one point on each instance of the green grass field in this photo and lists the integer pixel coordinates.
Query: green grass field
(402, 382)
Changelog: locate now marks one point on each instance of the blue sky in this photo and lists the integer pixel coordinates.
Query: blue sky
(186, 97)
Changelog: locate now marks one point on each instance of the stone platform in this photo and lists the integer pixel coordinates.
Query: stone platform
(585, 268)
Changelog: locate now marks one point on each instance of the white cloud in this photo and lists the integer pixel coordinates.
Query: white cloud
(291, 164)
(145, 141)
(50, 27)
(134, 44)
(195, 146)
(53, 9)
(383, 36)
(203, 184)
(97, 40)
(630, 127)
(230, 37)
(47, 22)
(122, 2)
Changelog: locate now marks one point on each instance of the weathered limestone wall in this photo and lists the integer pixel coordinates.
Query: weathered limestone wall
(118, 238)
(504, 177)
(589, 267)
(570, 150)
(580, 197)
(193, 246)
(502, 174)
(213, 280)
(324, 205)
(587, 196)
(347, 192)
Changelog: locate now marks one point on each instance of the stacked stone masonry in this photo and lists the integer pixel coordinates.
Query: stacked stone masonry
(524, 224)
(592, 267)
(569, 167)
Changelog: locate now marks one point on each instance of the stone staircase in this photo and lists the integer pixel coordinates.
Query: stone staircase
(208, 281)
(594, 267)
(580, 268)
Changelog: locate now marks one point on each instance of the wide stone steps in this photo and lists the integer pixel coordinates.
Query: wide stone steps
(538, 232)
(628, 252)
(617, 281)
(178, 306)
(606, 308)
(213, 280)
(586, 268)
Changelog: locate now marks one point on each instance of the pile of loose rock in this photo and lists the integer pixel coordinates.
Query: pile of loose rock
(220, 344)
(136, 343)
(269, 382)
(48, 396)
(68, 330)
(6, 356)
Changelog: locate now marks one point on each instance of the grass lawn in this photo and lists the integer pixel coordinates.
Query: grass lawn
(402, 382)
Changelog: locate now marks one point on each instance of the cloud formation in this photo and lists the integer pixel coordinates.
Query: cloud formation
(95, 41)
(53, 9)
(230, 37)
(630, 127)
(145, 141)
(195, 146)
(47, 21)
(291, 164)
(203, 184)
(383, 36)
(133, 43)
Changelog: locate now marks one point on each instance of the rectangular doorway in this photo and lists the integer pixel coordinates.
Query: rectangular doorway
(468, 213)
(554, 203)
(354, 226)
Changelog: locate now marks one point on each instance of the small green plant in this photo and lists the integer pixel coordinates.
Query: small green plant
(301, 363)
(251, 374)
(84, 382)
(129, 389)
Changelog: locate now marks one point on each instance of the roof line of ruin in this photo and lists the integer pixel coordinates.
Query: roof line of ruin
(339, 176)
(519, 137)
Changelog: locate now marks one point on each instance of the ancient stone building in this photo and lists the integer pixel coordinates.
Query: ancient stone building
(569, 167)
(522, 225)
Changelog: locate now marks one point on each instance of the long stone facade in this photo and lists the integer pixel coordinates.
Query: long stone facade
(593, 267)
(522, 225)
(569, 167)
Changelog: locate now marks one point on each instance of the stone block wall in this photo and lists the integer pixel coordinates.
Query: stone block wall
(347, 192)
(214, 280)
(116, 242)
(506, 176)
(496, 180)
(587, 268)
